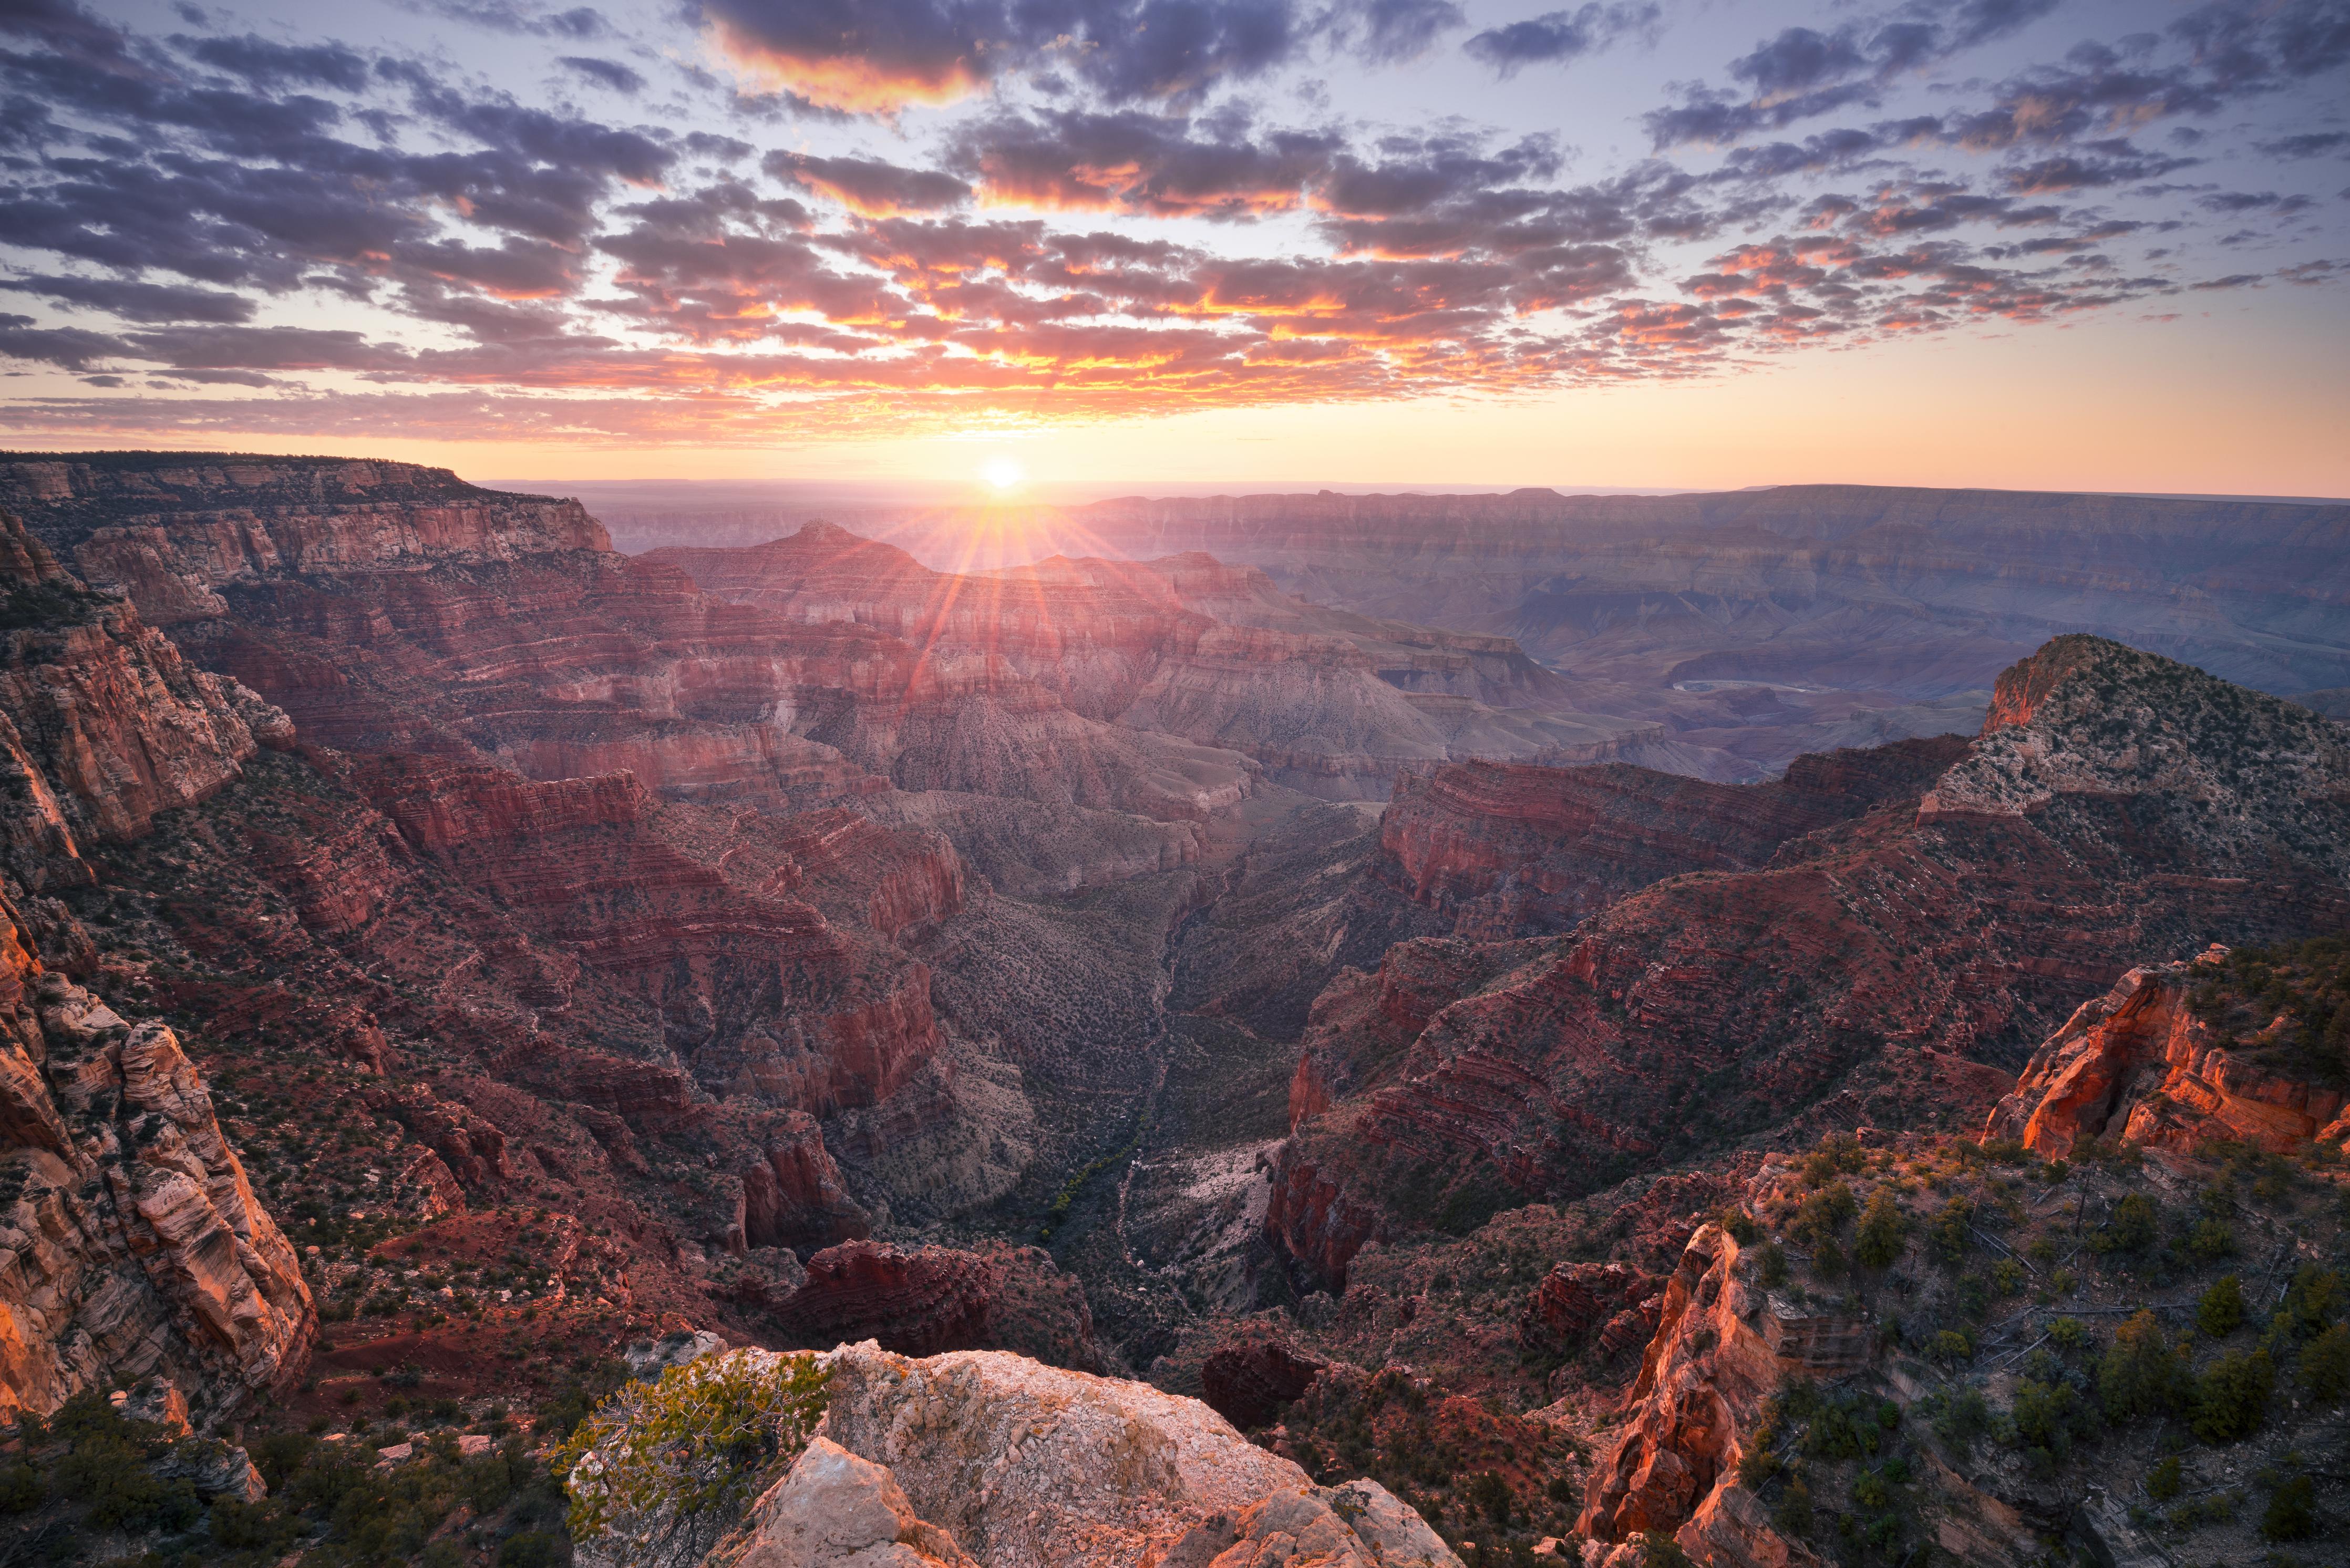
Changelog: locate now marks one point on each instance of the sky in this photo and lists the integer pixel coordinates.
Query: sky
(2032, 243)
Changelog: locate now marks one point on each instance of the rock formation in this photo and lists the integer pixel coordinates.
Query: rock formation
(1723, 1346)
(2136, 808)
(1329, 703)
(102, 724)
(2139, 1064)
(135, 1244)
(832, 1508)
(1028, 1466)
(1247, 1380)
(921, 1301)
(1511, 850)
(136, 1247)
(1619, 1304)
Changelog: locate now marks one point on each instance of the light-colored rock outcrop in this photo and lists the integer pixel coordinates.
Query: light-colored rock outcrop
(832, 1509)
(988, 1460)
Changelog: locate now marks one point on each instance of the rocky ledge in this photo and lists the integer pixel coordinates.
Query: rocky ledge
(986, 1459)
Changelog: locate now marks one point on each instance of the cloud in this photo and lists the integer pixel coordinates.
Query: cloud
(868, 185)
(267, 64)
(580, 23)
(2107, 164)
(1386, 31)
(877, 56)
(612, 74)
(496, 266)
(135, 301)
(2308, 144)
(68, 347)
(1558, 37)
(1131, 161)
(1801, 72)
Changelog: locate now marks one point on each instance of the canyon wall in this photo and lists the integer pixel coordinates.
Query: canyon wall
(1898, 960)
(132, 1243)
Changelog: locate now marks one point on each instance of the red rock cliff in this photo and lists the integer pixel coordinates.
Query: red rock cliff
(136, 1245)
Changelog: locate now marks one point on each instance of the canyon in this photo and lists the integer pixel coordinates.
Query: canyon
(1746, 627)
(448, 951)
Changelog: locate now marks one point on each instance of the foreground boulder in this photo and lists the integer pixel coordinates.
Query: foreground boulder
(832, 1507)
(988, 1460)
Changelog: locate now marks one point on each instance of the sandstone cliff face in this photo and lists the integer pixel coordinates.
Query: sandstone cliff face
(1722, 1346)
(983, 1460)
(1924, 945)
(760, 992)
(921, 1301)
(171, 533)
(1511, 851)
(102, 724)
(134, 1244)
(1619, 1304)
(2138, 1064)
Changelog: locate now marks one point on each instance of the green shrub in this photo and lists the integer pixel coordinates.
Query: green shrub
(2291, 1514)
(708, 1434)
(2325, 1364)
(2313, 1300)
(1946, 1235)
(2232, 1397)
(2208, 1240)
(1828, 1259)
(2046, 1417)
(1850, 1426)
(1951, 1346)
(249, 1526)
(1489, 1495)
(2135, 1225)
(21, 1490)
(2165, 1482)
(1884, 1228)
(1823, 1214)
(1837, 1152)
(1792, 1512)
(2140, 1374)
(2069, 1333)
(2221, 1310)
(1962, 1417)
(1774, 1265)
(1659, 1549)
(531, 1549)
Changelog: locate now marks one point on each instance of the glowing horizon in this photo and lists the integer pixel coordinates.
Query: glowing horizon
(2023, 244)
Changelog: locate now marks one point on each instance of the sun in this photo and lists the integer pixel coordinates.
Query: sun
(1001, 474)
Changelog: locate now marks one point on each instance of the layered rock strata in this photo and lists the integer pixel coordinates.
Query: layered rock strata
(1722, 1346)
(135, 1245)
(2139, 806)
(2138, 1064)
(1332, 703)
(1507, 850)
(922, 1300)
